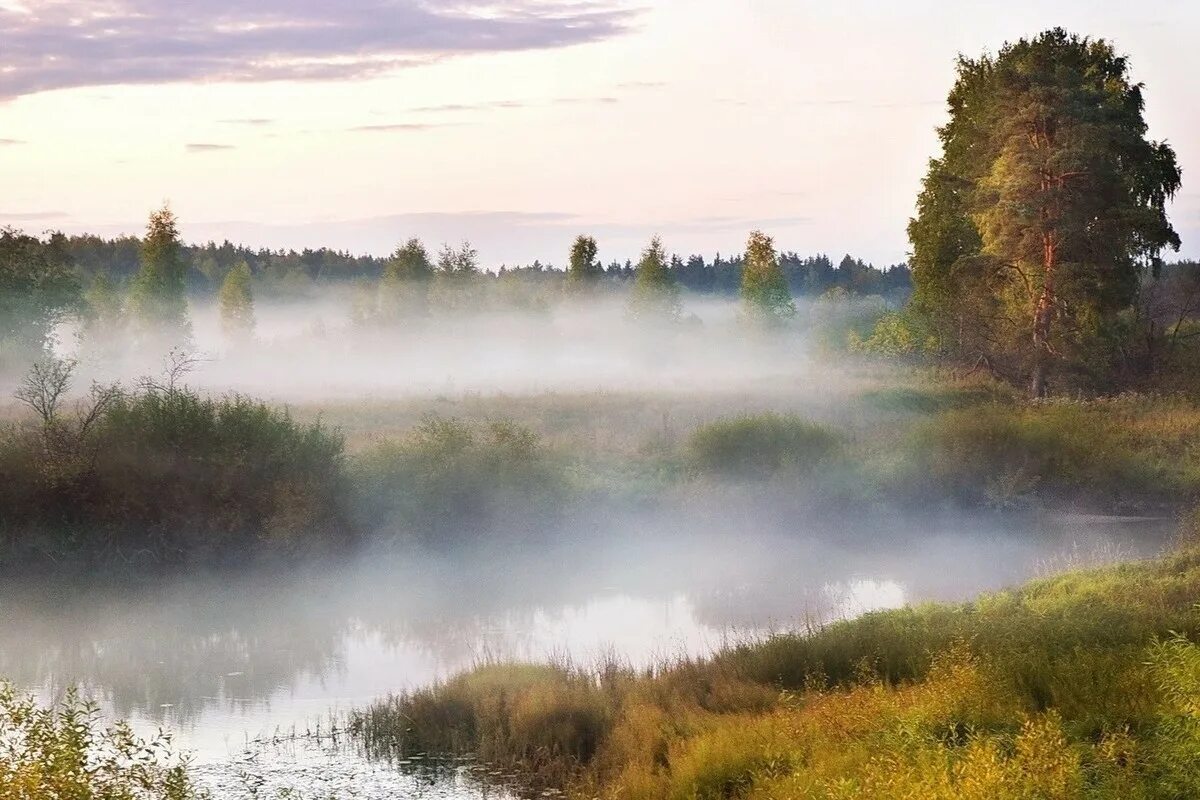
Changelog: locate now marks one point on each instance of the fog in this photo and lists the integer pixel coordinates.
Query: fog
(308, 350)
(229, 660)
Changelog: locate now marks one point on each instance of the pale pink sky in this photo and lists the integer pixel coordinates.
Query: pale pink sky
(291, 123)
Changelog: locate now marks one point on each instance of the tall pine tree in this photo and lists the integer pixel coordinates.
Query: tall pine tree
(1046, 208)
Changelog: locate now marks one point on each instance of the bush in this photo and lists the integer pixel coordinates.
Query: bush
(1121, 454)
(165, 476)
(450, 480)
(759, 445)
(63, 752)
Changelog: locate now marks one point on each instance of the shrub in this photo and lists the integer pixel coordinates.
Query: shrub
(759, 445)
(1118, 454)
(165, 476)
(63, 752)
(449, 480)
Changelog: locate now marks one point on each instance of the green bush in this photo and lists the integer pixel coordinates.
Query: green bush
(450, 480)
(63, 752)
(1128, 454)
(759, 445)
(164, 476)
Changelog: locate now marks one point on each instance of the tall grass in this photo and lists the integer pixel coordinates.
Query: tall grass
(1082, 685)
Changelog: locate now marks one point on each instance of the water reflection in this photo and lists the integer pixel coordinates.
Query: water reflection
(223, 661)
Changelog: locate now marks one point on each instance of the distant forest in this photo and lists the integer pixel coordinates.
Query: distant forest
(291, 271)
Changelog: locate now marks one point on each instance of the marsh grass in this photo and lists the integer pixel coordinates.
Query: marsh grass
(1079, 685)
(162, 477)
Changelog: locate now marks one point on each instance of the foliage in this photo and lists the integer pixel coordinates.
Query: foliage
(237, 304)
(37, 290)
(450, 480)
(104, 321)
(1126, 453)
(582, 266)
(164, 476)
(897, 334)
(655, 295)
(63, 752)
(766, 298)
(157, 297)
(404, 287)
(759, 445)
(1046, 205)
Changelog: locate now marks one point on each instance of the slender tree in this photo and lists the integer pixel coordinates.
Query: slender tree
(655, 294)
(404, 287)
(582, 267)
(462, 262)
(455, 287)
(236, 300)
(766, 297)
(158, 296)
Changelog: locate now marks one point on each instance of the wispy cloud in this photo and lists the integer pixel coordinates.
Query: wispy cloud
(56, 44)
(486, 105)
(400, 127)
(31, 216)
(207, 147)
(255, 121)
(11, 142)
(579, 101)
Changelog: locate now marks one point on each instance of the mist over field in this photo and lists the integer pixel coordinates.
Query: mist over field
(481, 413)
(313, 350)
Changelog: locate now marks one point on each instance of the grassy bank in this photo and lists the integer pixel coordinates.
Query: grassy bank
(1081, 685)
(162, 476)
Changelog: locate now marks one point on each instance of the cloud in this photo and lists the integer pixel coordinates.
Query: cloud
(32, 216)
(402, 127)
(10, 142)
(483, 106)
(207, 147)
(257, 121)
(57, 44)
(573, 101)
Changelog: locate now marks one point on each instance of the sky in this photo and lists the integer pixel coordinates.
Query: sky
(518, 124)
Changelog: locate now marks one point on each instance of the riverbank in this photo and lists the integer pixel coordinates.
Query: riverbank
(1081, 685)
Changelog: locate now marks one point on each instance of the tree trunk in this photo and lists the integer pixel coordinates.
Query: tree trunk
(1041, 354)
(1042, 313)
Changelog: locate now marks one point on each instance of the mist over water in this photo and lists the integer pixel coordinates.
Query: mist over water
(237, 663)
